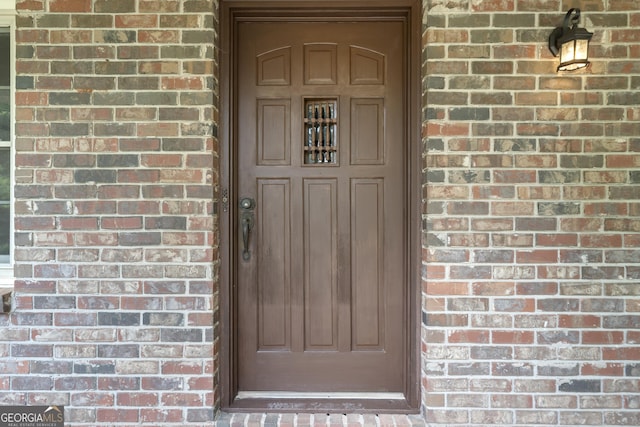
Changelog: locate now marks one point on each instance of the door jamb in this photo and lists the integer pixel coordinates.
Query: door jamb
(230, 10)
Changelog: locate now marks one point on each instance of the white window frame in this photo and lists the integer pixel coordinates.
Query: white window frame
(7, 19)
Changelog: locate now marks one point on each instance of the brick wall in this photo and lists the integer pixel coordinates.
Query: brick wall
(532, 183)
(532, 214)
(115, 234)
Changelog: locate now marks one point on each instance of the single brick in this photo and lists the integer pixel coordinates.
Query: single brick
(118, 319)
(580, 386)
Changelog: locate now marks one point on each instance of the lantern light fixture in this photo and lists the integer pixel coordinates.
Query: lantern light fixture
(571, 42)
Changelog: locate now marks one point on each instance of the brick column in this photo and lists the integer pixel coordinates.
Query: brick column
(116, 228)
(532, 212)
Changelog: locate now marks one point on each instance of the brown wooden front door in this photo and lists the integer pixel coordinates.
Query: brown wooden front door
(321, 270)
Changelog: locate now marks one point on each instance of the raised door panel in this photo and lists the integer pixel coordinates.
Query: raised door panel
(367, 67)
(274, 257)
(274, 67)
(320, 64)
(320, 261)
(367, 264)
(367, 131)
(274, 130)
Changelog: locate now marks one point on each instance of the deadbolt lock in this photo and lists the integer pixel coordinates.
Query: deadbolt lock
(247, 203)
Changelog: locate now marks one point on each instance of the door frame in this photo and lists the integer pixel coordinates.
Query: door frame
(231, 12)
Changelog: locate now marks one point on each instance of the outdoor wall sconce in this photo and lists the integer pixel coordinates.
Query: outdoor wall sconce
(571, 42)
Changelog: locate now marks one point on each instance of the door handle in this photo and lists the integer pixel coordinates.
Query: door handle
(247, 205)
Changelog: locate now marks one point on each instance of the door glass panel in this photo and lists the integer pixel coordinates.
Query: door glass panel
(321, 130)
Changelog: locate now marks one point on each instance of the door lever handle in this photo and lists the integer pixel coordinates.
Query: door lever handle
(246, 229)
(246, 221)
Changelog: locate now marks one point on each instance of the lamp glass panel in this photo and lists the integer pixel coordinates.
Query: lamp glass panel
(567, 51)
(582, 47)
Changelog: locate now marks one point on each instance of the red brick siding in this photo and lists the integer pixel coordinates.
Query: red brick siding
(532, 198)
(531, 212)
(115, 227)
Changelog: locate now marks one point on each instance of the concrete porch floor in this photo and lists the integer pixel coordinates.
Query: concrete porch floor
(316, 420)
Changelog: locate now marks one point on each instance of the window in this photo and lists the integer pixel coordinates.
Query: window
(6, 147)
(320, 123)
